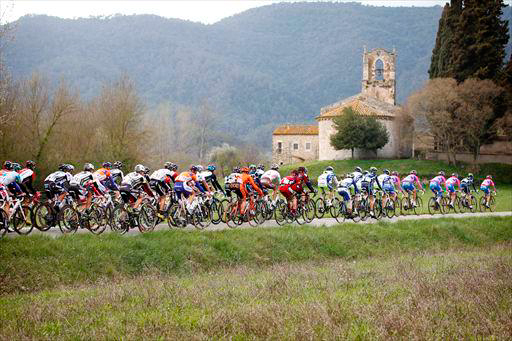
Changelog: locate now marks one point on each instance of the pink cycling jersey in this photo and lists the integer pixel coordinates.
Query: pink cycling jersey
(412, 178)
(453, 181)
(487, 183)
(395, 179)
(439, 179)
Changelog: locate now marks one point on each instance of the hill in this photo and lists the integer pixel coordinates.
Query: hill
(272, 64)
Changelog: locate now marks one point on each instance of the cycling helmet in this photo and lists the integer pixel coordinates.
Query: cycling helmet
(199, 168)
(261, 166)
(329, 169)
(395, 173)
(455, 175)
(211, 168)
(174, 167)
(107, 164)
(30, 164)
(488, 177)
(146, 170)
(168, 165)
(365, 172)
(274, 166)
(62, 167)
(358, 169)
(373, 170)
(193, 168)
(236, 169)
(70, 167)
(386, 171)
(118, 164)
(413, 172)
(441, 173)
(470, 176)
(252, 166)
(303, 170)
(8, 165)
(139, 168)
(88, 167)
(245, 170)
(16, 167)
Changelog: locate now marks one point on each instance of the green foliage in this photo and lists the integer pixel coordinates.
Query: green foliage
(38, 262)
(356, 131)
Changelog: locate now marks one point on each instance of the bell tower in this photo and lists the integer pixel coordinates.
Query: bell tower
(379, 75)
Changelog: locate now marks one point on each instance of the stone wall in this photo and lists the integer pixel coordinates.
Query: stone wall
(327, 152)
(288, 154)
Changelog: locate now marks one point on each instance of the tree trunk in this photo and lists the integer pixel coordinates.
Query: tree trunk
(352, 150)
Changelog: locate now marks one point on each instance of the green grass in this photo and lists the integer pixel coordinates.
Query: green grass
(426, 169)
(38, 262)
(451, 294)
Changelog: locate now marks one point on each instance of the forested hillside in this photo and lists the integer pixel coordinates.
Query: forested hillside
(272, 64)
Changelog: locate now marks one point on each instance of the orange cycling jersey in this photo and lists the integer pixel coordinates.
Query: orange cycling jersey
(186, 177)
(102, 173)
(248, 180)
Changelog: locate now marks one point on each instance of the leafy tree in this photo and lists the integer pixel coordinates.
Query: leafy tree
(356, 131)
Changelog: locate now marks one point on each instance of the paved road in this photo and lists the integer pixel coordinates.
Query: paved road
(325, 222)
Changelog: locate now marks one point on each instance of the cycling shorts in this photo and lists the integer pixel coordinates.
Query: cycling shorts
(267, 183)
(286, 192)
(366, 186)
(465, 188)
(450, 188)
(182, 188)
(485, 189)
(52, 188)
(200, 187)
(127, 194)
(159, 187)
(388, 188)
(344, 192)
(407, 186)
(435, 188)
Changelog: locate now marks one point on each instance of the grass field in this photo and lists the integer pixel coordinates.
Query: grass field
(444, 294)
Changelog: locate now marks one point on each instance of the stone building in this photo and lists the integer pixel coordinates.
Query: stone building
(294, 143)
(377, 98)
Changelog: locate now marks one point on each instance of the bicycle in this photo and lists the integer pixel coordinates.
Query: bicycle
(437, 206)
(468, 202)
(19, 217)
(323, 204)
(407, 205)
(125, 217)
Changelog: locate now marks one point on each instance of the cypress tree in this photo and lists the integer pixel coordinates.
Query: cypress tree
(480, 40)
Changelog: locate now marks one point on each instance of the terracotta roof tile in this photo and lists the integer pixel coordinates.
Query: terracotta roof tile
(296, 129)
(364, 106)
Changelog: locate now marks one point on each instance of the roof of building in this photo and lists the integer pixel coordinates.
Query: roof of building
(364, 105)
(296, 129)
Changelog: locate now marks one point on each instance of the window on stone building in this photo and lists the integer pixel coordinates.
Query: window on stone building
(308, 145)
(279, 147)
(295, 146)
(379, 70)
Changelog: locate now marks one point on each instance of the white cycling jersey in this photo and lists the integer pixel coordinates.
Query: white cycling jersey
(116, 173)
(273, 175)
(233, 178)
(133, 179)
(81, 178)
(59, 177)
(160, 174)
(385, 179)
(26, 173)
(9, 177)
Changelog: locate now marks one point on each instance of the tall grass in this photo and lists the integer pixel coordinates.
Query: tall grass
(38, 262)
(456, 294)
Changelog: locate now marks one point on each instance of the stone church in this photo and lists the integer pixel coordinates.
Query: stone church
(297, 143)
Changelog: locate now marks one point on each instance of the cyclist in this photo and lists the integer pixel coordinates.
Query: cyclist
(116, 172)
(247, 182)
(201, 181)
(131, 185)
(211, 178)
(395, 178)
(367, 183)
(104, 177)
(232, 182)
(260, 170)
(408, 184)
(185, 186)
(286, 189)
(28, 176)
(485, 188)
(83, 183)
(271, 180)
(450, 184)
(328, 181)
(159, 181)
(57, 183)
(464, 186)
(9, 180)
(344, 190)
(386, 183)
(436, 185)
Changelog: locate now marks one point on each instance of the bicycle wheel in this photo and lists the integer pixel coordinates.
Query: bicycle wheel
(280, 212)
(335, 209)
(216, 211)
(204, 217)
(225, 207)
(363, 209)
(146, 218)
(433, 206)
(98, 220)
(320, 208)
(445, 208)
(341, 212)
(492, 204)
(3, 223)
(377, 209)
(390, 208)
(69, 220)
(22, 220)
(418, 208)
(44, 216)
(473, 204)
(462, 204)
(120, 220)
(309, 211)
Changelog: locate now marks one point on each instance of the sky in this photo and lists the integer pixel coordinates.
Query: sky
(207, 12)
